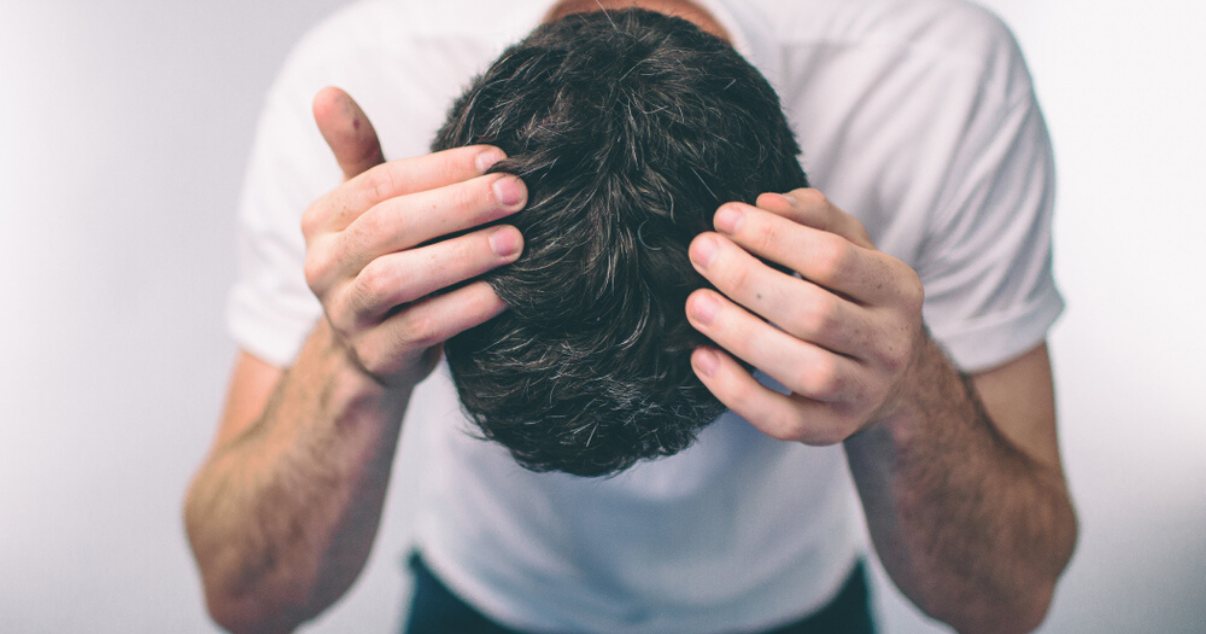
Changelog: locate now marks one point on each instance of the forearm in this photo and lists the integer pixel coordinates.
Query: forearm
(972, 529)
(282, 516)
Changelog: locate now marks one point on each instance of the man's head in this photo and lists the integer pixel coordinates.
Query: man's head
(629, 130)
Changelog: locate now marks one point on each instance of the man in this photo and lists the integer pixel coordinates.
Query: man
(916, 115)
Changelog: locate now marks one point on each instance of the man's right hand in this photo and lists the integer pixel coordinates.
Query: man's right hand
(283, 512)
(376, 252)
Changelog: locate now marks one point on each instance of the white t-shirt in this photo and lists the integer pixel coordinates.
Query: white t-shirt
(916, 116)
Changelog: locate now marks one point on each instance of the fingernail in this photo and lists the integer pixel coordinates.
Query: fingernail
(704, 309)
(703, 251)
(504, 241)
(728, 219)
(509, 191)
(488, 158)
(706, 361)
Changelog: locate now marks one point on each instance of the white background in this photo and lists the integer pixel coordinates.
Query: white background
(124, 129)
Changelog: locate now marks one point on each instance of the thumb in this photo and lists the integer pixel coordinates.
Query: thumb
(347, 131)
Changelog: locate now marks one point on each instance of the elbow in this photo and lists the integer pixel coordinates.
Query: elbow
(249, 608)
(1024, 607)
(1018, 611)
(232, 615)
(243, 603)
(1031, 615)
(244, 593)
(248, 615)
(1019, 615)
(1028, 614)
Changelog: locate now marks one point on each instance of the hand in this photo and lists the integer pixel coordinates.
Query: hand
(375, 256)
(842, 339)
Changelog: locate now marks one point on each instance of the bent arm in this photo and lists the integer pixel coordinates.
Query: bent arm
(283, 513)
(964, 493)
(959, 476)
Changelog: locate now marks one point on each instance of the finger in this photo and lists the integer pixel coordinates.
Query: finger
(825, 258)
(403, 338)
(347, 131)
(797, 306)
(406, 221)
(803, 368)
(811, 208)
(407, 276)
(403, 222)
(402, 177)
(781, 416)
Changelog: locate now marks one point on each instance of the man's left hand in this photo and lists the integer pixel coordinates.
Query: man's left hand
(841, 337)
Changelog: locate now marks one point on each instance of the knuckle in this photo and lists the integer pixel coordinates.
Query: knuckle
(312, 270)
(315, 218)
(472, 195)
(377, 280)
(891, 359)
(763, 236)
(311, 221)
(455, 259)
(419, 330)
(377, 220)
(830, 435)
(786, 425)
(372, 360)
(347, 334)
(451, 162)
(381, 182)
(819, 316)
(337, 315)
(468, 252)
(913, 290)
(317, 269)
(810, 197)
(735, 277)
(831, 254)
(895, 358)
(820, 379)
(349, 248)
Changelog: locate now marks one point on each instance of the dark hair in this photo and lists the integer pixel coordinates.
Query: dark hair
(629, 129)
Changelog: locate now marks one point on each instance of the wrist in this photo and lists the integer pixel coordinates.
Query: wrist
(347, 382)
(928, 381)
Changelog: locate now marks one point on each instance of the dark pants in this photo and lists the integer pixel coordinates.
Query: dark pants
(435, 610)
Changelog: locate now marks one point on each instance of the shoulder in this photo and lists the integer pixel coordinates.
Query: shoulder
(858, 52)
(952, 23)
(893, 100)
(362, 23)
(404, 45)
(402, 60)
(384, 26)
(951, 32)
(360, 34)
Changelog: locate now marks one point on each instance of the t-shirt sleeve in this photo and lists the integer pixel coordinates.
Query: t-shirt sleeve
(986, 262)
(270, 309)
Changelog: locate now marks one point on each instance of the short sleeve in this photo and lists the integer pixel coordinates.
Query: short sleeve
(986, 262)
(270, 309)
